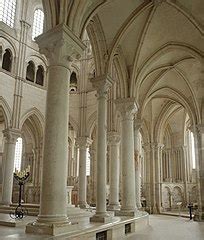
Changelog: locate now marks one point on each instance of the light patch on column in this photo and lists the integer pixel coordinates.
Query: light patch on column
(88, 162)
(193, 151)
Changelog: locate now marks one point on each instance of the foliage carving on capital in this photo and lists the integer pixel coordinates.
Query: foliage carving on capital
(113, 138)
(11, 135)
(127, 107)
(158, 2)
(60, 46)
(102, 84)
(83, 142)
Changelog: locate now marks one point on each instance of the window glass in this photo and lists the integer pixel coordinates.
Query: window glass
(7, 12)
(18, 154)
(38, 23)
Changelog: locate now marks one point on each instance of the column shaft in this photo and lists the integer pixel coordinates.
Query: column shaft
(83, 143)
(9, 155)
(114, 140)
(101, 84)
(53, 190)
(127, 108)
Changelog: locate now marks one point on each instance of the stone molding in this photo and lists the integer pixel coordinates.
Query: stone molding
(102, 84)
(113, 138)
(11, 135)
(60, 46)
(200, 128)
(127, 107)
(137, 124)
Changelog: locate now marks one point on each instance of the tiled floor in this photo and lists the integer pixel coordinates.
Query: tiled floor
(170, 228)
(161, 228)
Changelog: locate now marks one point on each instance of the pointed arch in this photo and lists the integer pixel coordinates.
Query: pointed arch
(37, 117)
(6, 111)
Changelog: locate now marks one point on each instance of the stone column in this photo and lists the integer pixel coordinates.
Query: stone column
(114, 144)
(11, 136)
(60, 45)
(158, 160)
(127, 108)
(137, 126)
(101, 84)
(83, 143)
(199, 150)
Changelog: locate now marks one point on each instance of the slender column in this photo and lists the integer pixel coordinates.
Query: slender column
(83, 143)
(20, 71)
(137, 126)
(158, 153)
(101, 84)
(60, 46)
(11, 136)
(127, 108)
(114, 144)
(199, 149)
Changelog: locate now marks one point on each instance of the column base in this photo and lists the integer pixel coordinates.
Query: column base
(101, 217)
(199, 217)
(129, 213)
(5, 204)
(83, 205)
(50, 228)
(113, 207)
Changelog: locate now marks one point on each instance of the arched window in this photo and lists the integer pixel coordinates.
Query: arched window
(18, 154)
(30, 72)
(40, 76)
(38, 23)
(7, 11)
(7, 60)
(73, 82)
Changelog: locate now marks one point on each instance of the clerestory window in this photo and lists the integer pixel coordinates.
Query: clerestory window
(7, 12)
(38, 23)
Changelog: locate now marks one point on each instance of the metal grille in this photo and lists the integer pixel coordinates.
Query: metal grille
(101, 235)
(127, 228)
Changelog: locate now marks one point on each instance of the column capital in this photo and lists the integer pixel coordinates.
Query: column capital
(25, 24)
(102, 84)
(127, 107)
(113, 138)
(83, 142)
(11, 135)
(60, 46)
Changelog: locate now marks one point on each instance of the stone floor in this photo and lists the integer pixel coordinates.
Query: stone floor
(170, 228)
(161, 228)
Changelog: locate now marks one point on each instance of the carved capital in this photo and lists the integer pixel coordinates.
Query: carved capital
(127, 107)
(113, 138)
(158, 2)
(60, 46)
(102, 84)
(83, 142)
(11, 135)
